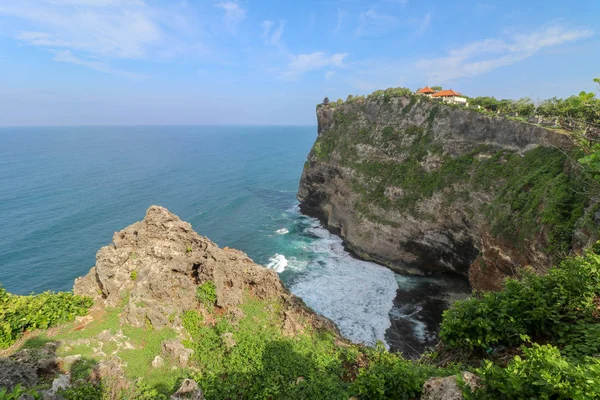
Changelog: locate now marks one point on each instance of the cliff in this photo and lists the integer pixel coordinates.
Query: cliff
(423, 188)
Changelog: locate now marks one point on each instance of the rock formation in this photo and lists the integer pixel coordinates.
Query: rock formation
(155, 267)
(424, 188)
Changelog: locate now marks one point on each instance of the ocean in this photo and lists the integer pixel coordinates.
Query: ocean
(65, 191)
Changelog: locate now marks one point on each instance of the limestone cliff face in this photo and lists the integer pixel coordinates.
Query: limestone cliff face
(423, 187)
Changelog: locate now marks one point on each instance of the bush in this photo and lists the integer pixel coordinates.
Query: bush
(389, 376)
(23, 313)
(542, 373)
(536, 306)
(207, 294)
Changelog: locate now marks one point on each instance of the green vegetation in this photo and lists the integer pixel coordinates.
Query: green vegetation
(252, 358)
(19, 314)
(207, 294)
(15, 394)
(133, 275)
(535, 306)
(560, 309)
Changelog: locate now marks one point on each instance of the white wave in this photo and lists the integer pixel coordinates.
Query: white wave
(357, 295)
(282, 231)
(278, 262)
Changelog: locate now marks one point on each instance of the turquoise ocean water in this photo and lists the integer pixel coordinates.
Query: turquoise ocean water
(65, 191)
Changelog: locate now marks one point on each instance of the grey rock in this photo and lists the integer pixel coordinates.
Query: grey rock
(14, 372)
(169, 260)
(189, 389)
(176, 352)
(158, 362)
(447, 388)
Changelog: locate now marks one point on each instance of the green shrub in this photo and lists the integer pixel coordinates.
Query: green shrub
(251, 358)
(15, 394)
(207, 293)
(23, 313)
(542, 373)
(133, 275)
(536, 306)
(389, 376)
(82, 391)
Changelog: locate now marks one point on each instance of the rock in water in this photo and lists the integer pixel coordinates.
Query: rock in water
(155, 266)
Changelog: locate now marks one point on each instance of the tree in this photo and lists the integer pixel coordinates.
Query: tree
(436, 88)
(489, 103)
(525, 106)
(326, 101)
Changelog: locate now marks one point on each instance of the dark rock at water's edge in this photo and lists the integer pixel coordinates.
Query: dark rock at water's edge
(417, 312)
(425, 188)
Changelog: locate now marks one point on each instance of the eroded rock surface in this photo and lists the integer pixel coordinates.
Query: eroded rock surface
(156, 266)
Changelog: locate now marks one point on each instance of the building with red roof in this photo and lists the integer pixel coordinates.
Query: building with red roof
(450, 96)
(427, 91)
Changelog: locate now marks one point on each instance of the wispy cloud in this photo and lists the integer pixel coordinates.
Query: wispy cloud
(479, 57)
(271, 34)
(102, 29)
(234, 15)
(372, 23)
(302, 63)
(340, 20)
(65, 56)
(424, 24)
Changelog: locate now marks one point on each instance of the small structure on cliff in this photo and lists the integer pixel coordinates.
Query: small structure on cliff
(426, 91)
(450, 96)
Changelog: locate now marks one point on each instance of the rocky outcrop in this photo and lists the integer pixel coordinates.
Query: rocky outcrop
(154, 267)
(424, 188)
(448, 388)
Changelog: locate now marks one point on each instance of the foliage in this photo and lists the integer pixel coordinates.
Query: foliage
(82, 391)
(436, 88)
(24, 313)
(261, 362)
(539, 191)
(542, 373)
(535, 306)
(207, 293)
(523, 107)
(15, 394)
(133, 275)
(389, 376)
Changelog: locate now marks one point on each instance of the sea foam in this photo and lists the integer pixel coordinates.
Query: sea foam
(357, 295)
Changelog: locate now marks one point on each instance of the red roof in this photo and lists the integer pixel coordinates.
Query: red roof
(446, 93)
(426, 90)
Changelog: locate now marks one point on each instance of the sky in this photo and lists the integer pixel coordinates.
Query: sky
(269, 62)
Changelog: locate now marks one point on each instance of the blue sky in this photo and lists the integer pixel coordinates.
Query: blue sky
(114, 62)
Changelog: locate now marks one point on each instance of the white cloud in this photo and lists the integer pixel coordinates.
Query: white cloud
(104, 29)
(272, 36)
(424, 24)
(234, 15)
(340, 20)
(372, 23)
(479, 57)
(329, 74)
(65, 56)
(303, 63)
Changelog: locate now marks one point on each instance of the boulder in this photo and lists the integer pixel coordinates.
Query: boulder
(176, 352)
(159, 263)
(447, 388)
(189, 389)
